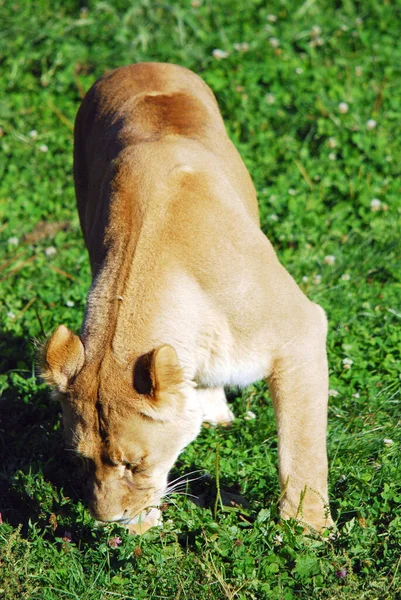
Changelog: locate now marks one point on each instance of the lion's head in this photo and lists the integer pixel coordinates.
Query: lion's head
(128, 423)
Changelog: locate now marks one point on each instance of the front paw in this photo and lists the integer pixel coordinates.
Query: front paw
(317, 518)
(224, 418)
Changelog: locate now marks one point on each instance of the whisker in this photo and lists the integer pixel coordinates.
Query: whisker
(178, 482)
(184, 482)
(176, 486)
(187, 475)
(176, 489)
(171, 501)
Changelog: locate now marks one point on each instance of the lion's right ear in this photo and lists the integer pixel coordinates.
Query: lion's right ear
(62, 358)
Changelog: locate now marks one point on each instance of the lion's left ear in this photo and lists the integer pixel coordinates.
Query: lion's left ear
(158, 372)
(62, 358)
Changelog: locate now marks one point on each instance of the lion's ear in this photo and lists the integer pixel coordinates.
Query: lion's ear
(166, 372)
(62, 358)
(158, 372)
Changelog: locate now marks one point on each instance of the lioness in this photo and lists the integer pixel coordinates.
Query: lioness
(187, 296)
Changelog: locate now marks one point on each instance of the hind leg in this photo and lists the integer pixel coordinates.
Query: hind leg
(215, 408)
(299, 388)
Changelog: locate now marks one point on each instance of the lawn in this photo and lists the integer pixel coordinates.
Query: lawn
(310, 92)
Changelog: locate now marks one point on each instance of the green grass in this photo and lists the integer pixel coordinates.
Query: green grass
(317, 171)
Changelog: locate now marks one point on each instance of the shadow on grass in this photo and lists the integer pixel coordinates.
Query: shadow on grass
(36, 473)
(205, 492)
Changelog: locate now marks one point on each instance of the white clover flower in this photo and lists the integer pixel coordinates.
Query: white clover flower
(50, 251)
(250, 415)
(371, 124)
(356, 395)
(333, 393)
(375, 205)
(43, 148)
(271, 18)
(317, 279)
(278, 539)
(358, 71)
(319, 41)
(305, 279)
(241, 46)
(332, 142)
(345, 276)
(292, 192)
(332, 156)
(220, 54)
(33, 134)
(273, 217)
(299, 70)
(274, 42)
(347, 362)
(330, 259)
(70, 303)
(388, 442)
(11, 315)
(344, 27)
(13, 241)
(343, 108)
(316, 31)
(270, 98)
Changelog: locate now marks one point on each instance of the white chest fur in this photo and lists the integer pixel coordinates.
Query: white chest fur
(222, 361)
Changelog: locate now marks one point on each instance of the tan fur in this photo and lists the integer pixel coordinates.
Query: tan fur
(187, 296)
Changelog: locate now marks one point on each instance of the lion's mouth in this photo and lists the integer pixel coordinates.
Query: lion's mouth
(150, 517)
(149, 514)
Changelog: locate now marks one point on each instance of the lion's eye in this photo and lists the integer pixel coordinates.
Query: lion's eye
(133, 466)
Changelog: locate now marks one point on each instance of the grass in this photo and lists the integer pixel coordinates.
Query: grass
(328, 185)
